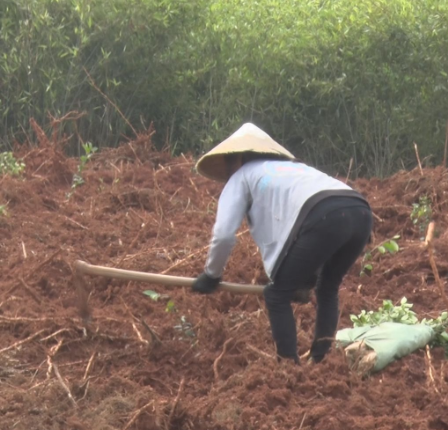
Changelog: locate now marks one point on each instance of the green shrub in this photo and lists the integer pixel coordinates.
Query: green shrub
(9, 165)
(421, 214)
(330, 80)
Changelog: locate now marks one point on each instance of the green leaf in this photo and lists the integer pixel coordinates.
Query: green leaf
(367, 269)
(381, 249)
(170, 307)
(152, 294)
(395, 245)
(391, 246)
(367, 256)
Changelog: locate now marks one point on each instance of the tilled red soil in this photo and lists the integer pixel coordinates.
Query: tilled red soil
(205, 362)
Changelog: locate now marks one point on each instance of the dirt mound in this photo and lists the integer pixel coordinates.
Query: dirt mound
(183, 361)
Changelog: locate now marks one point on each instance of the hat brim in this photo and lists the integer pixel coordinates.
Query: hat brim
(215, 166)
(248, 139)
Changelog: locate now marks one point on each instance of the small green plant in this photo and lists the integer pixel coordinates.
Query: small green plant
(388, 246)
(403, 314)
(78, 180)
(9, 165)
(185, 328)
(89, 150)
(386, 313)
(3, 211)
(170, 306)
(154, 295)
(421, 214)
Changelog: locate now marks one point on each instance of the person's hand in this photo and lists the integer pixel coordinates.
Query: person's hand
(205, 284)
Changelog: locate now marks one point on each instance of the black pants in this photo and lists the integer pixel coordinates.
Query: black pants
(326, 248)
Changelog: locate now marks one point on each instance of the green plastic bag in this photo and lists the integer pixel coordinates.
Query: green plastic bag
(389, 340)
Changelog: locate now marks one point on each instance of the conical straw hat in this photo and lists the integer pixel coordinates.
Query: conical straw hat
(248, 138)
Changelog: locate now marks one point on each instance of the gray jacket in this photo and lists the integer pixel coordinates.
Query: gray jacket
(275, 196)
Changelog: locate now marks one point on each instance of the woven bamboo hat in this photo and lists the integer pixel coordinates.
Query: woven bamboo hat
(247, 139)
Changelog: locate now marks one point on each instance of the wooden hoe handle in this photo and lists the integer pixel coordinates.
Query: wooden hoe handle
(88, 269)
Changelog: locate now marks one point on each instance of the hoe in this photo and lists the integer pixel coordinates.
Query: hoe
(83, 268)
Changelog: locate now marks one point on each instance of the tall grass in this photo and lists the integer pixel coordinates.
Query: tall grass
(331, 80)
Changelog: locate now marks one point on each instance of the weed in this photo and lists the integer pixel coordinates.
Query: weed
(185, 328)
(170, 306)
(3, 211)
(154, 295)
(421, 214)
(389, 246)
(78, 180)
(9, 165)
(404, 315)
(387, 313)
(89, 150)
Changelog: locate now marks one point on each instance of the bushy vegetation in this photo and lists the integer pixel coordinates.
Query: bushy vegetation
(9, 165)
(402, 313)
(332, 80)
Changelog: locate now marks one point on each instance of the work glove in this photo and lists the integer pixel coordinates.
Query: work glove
(205, 284)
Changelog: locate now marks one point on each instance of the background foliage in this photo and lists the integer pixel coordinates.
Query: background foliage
(331, 80)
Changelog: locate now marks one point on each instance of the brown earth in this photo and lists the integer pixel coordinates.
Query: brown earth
(207, 363)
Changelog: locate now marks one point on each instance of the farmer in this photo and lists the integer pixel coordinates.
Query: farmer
(309, 227)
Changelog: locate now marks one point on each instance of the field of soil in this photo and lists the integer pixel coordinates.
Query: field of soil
(187, 361)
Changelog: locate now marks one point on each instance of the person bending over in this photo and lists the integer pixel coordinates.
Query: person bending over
(309, 227)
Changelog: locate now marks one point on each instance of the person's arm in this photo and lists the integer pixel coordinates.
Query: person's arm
(233, 205)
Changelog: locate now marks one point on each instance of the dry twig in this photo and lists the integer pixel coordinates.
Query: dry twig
(62, 330)
(429, 246)
(142, 229)
(430, 373)
(82, 296)
(76, 223)
(429, 233)
(92, 82)
(218, 359)
(180, 262)
(139, 335)
(349, 170)
(21, 342)
(377, 217)
(137, 413)
(30, 291)
(418, 159)
(11, 298)
(176, 401)
(44, 263)
(155, 338)
(22, 319)
(305, 355)
(446, 145)
(259, 352)
(194, 186)
(64, 385)
(53, 350)
(36, 269)
(89, 366)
